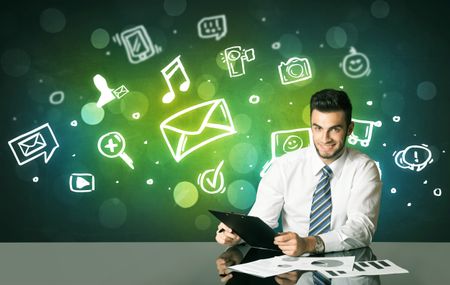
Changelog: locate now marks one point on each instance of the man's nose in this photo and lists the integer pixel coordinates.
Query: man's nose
(325, 136)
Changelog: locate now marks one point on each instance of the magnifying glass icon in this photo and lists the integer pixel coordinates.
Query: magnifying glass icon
(112, 145)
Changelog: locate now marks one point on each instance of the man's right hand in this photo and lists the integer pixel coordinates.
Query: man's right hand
(225, 235)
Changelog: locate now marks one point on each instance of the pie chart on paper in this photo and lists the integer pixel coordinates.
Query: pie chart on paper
(327, 263)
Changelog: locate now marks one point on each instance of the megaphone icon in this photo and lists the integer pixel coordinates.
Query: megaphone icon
(82, 182)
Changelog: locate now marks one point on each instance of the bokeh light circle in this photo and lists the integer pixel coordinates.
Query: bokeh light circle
(241, 194)
(202, 222)
(185, 194)
(52, 20)
(243, 123)
(220, 61)
(392, 103)
(290, 46)
(243, 157)
(380, 9)
(426, 90)
(15, 62)
(132, 103)
(100, 38)
(306, 117)
(112, 213)
(206, 90)
(336, 37)
(175, 7)
(91, 114)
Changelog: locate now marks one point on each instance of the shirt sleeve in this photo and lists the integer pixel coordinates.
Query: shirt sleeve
(270, 196)
(362, 211)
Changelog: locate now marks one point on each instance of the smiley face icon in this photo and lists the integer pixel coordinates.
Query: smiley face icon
(292, 143)
(355, 64)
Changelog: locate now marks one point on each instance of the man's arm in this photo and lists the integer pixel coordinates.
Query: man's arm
(270, 196)
(362, 212)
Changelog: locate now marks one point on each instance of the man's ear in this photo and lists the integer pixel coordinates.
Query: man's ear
(350, 128)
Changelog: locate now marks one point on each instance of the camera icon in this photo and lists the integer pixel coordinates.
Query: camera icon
(294, 70)
(235, 58)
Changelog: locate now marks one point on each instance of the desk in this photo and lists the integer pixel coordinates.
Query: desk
(177, 263)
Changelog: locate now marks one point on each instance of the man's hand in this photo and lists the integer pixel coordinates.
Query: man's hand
(225, 235)
(293, 245)
(228, 258)
(289, 278)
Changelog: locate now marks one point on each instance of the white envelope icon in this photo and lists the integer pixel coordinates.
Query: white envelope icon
(120, 91)
(32, 144)
(196, 126)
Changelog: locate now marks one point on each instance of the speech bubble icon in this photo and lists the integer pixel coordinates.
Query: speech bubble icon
(37, 142)
(212, 27)
(414, 157)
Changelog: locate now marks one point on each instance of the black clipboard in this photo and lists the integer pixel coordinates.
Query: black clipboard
(251, 229)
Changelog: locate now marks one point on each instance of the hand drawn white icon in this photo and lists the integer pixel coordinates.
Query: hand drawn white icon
(212, 181)
(286, 141)
(112, 145)
(414, 157)
(107, 94)
(82, 182)
(137, 43)
(37, 142)
(355, 64)
(235, 58)
(183, 140)
(168, 72)
(294, 70)
(212, 27)
(362, 132)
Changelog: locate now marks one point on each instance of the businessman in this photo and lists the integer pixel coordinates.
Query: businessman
(328, 195)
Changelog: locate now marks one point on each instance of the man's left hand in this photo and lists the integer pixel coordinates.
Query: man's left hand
(291, 244)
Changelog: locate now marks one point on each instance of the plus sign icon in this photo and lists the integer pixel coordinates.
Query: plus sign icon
(112, 145)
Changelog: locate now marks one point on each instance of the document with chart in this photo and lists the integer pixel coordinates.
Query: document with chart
(374, 267)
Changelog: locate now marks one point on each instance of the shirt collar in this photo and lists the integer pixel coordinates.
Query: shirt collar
(336, 166)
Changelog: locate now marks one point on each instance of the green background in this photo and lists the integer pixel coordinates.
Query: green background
(48, 47)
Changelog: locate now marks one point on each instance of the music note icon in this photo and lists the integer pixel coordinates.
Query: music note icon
(168, 72)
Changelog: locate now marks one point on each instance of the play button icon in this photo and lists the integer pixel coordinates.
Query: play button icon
(82, 182)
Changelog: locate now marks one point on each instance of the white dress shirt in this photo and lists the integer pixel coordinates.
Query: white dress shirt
(289, 185)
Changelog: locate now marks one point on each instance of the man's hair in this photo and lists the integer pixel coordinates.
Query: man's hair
(330, 100)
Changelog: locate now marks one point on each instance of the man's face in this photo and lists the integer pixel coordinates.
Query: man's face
(329, 131)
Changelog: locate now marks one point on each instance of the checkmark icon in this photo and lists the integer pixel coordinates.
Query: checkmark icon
(216, 175)
(211, 181)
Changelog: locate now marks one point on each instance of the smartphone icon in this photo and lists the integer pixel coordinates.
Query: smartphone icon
(137, 43)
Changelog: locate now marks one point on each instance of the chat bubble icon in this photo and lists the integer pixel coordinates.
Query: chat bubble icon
(212, 27)
(37, 142)
(414, 157)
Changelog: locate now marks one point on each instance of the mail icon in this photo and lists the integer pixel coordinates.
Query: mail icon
(40, 141)
(196, 126)
(32, 144)
(120, 91)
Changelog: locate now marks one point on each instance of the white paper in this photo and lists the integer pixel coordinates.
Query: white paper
(282, 264)
(374, 267)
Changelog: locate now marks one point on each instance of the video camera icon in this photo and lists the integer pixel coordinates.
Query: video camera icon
(82, 182)
(37, 142)
(235, 58)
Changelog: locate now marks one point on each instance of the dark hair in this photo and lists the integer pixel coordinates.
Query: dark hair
(330, 100)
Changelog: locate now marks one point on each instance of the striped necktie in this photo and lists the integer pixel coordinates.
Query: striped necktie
(320, 218)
